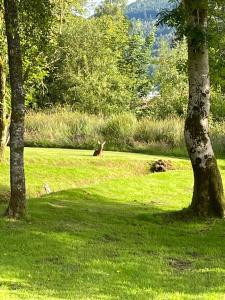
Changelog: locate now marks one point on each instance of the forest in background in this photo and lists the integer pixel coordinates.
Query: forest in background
(109, 64)
(105, 64)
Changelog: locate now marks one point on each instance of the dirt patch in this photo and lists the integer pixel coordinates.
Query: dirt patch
(193, 254)
(161, 166)
(109, 238)
(179, 264)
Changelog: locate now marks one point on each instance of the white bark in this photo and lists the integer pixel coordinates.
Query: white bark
(208, 198)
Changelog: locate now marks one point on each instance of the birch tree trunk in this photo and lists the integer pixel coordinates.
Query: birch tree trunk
(17, 204)
(208, 196)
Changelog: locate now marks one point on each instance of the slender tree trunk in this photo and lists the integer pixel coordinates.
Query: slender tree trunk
(17, 202)
(3, 118)
(61, 16)
(208, 197)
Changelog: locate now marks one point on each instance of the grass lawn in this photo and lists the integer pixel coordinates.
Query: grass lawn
(106, 232)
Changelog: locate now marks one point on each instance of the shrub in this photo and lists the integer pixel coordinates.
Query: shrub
(119, 130)
(168, 131)
(217, 106)
(217, 133)
(62, 128)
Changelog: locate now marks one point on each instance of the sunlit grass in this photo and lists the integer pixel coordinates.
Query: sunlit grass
(106, 233)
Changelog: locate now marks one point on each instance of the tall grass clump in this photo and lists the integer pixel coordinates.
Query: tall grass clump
(217, 134)
(168, 131)
(62, 128)
(119, 131)
(123, 132)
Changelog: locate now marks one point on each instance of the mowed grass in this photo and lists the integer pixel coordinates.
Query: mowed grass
(108, 232)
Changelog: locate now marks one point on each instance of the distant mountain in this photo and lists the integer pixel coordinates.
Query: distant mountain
(147, 12)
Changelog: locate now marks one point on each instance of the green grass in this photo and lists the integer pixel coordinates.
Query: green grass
(107, 232)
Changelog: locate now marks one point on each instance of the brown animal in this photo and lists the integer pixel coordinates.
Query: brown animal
(99, 151)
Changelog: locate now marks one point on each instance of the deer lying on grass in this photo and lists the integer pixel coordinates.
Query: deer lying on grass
(47, 188)
(99, 151)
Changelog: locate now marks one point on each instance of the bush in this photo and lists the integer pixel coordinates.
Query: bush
(62, 128)
(168, 131)
(119, 131)
(217, 133)
(217, 106)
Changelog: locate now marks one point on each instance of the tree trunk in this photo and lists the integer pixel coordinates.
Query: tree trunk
(208, 197)
(3, 118)
(17, 204)
(61, 17)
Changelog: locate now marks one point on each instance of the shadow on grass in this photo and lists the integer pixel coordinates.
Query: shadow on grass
(78, 245)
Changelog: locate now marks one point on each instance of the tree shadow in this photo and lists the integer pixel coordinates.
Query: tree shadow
(79, 244)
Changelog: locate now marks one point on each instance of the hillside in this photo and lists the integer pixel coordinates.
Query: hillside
(147, 11)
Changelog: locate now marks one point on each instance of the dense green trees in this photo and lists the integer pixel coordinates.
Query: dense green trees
(105, 64)
(102, 65)
(215, 40)
(87, 75)
(169, 75)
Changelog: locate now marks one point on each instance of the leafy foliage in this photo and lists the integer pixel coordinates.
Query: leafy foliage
(147, 12)
(169, 76)
(106, 64)
(102, 65)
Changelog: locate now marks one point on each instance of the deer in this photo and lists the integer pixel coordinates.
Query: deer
(99, 151)
(47, 188)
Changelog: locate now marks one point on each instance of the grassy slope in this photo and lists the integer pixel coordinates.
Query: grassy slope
(105, 232)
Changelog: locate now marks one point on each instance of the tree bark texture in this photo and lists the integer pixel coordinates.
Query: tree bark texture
(3, 117)
(208, 196)
(17, 203)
